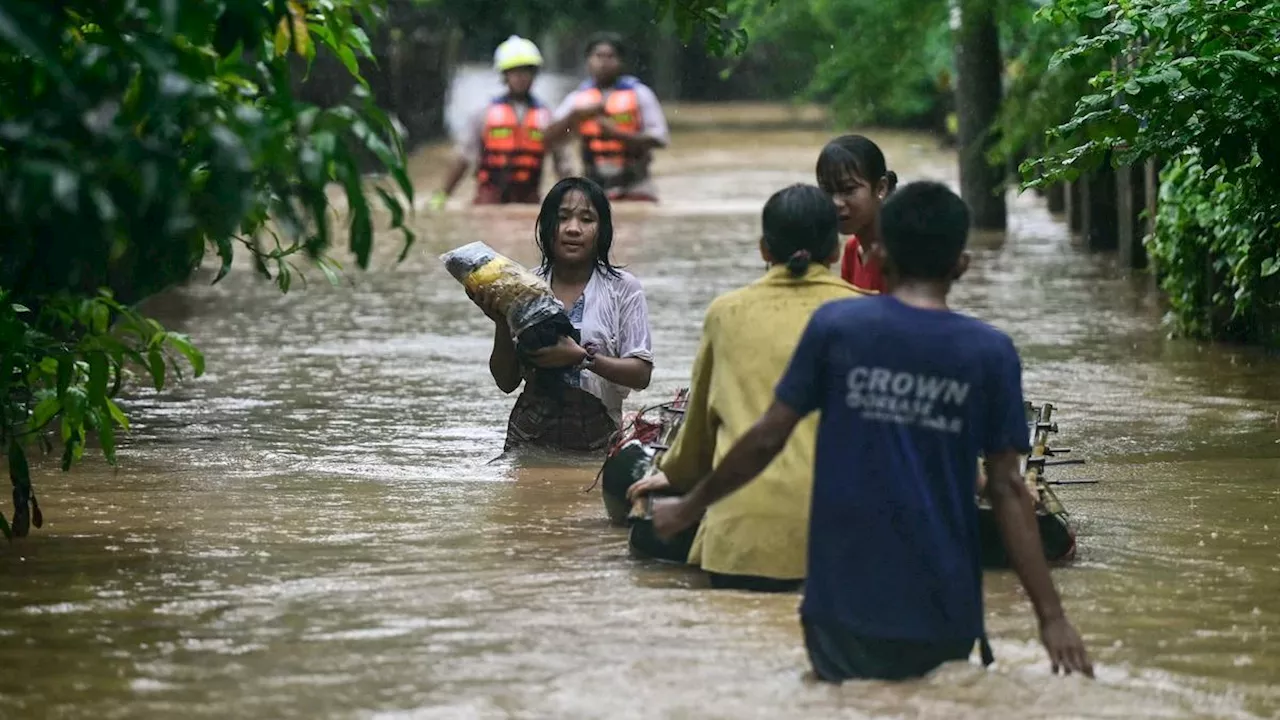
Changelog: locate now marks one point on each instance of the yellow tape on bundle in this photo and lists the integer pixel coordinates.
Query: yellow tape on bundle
(523, 297)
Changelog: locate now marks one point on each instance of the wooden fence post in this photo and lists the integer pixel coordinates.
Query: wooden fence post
(1055, 197)
(1074, 200)
(1130, 204)
(1086, 206)
(1102, 228)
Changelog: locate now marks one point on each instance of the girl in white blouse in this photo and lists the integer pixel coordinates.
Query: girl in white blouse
(582, 408)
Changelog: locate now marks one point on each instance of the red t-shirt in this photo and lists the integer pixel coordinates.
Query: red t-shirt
(867, 277)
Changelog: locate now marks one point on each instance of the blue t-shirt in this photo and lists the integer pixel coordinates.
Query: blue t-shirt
(909, 398)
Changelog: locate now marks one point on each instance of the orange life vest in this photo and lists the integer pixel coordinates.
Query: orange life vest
(512, 150)
(606, 159)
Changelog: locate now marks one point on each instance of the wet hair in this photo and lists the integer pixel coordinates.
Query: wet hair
(548, 224)
(924, 227)
(612, 39)
(801, 226)
(855, 154)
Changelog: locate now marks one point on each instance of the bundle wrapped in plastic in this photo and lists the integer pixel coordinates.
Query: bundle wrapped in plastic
(534, 315)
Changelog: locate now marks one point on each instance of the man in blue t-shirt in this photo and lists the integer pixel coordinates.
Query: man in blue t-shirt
(910, 393)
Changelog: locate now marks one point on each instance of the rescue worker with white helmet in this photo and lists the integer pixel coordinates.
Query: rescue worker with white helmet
(504, 140)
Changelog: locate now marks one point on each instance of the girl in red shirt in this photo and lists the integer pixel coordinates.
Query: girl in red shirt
(851, 169)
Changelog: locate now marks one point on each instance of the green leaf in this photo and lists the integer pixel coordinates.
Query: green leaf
(70, 453)
(107, 437)
(97, 378)
(183, 344)
(284, 276)
(348, 59)
(402, 180)
(117, 415)
(73, 407)
(361, 227)
(155, 364)
(393, 206)
(282, 37)
(330, 273)
(226, 253)
(1270, 266)
(302, 40)
(1242, 55)
(45, 410)
(360, 41)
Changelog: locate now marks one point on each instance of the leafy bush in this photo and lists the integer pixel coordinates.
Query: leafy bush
(1217, 244)
(873, 61)
(1196, 84)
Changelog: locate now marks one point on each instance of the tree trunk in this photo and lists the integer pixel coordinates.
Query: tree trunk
(978, 92)
(665, 64)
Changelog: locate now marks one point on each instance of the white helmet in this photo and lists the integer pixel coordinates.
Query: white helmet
(516, 52)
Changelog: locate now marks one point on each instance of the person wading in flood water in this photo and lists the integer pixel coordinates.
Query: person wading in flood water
(505, 141)
(909, 393)
(755, 539)
(581, 408)
(851, 169)
(619, 120)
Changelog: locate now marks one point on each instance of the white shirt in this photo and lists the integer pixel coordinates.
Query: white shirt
(615, 318)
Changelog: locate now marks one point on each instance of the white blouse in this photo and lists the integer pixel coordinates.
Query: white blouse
(615, 317)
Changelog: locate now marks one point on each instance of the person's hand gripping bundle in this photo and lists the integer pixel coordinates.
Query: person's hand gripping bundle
(534, 316)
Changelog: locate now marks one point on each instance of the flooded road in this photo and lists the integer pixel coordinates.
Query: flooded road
(315, 528)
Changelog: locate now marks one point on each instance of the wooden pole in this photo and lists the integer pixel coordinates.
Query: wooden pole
(1135, 221)
(1056, 198)
(1073, 199)
(1085, 183)
(1103, 230)
(1127, 214)
(1151, 196)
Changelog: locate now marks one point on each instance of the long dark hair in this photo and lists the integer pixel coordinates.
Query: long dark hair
(800, 226)
(855, 154)
(549, 222)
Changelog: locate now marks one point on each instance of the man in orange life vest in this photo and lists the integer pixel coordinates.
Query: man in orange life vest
(619, 121)
(505, 141)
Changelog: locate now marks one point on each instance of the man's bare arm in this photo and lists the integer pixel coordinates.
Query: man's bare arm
(745, 460)
(1015, 516)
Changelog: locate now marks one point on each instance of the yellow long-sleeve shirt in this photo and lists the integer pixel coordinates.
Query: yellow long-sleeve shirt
(747, 340)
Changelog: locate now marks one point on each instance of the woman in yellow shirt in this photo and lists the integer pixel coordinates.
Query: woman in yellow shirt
(755, 539)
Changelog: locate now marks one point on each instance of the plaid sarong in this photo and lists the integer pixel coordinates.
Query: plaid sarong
(570, 419)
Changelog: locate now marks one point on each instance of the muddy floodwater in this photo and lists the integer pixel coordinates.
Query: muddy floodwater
(319, 528)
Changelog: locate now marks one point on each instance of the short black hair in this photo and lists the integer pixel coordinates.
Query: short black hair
(801, 226)
(612, 39)
(924, 226)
